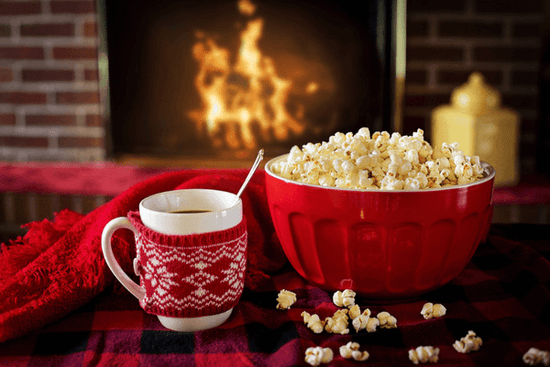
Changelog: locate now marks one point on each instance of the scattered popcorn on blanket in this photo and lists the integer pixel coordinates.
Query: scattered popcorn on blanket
(313, 322)
(317, 355)
(387, 321)
(338, 323)
(351, 350)
(469, 343)
(380, 161)
(344, 299)
(430, 310)
(533, 357)
(285, 299)
(424, 354)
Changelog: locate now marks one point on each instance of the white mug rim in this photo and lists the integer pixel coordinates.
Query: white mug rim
(142, 204)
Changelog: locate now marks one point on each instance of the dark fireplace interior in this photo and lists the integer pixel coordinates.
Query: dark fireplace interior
(213, 79)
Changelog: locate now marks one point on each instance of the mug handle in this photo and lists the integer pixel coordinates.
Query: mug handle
(110, 228)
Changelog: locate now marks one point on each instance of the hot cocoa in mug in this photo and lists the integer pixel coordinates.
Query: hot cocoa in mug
(191, 256)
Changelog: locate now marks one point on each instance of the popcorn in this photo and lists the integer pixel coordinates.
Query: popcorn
(386, 320)
(532, 357)
(338, 323)
(430, 310)
(285, 299)
(351, 350)
(344, 299)
(364, 321)
(468, 343)
(317, 355)
(424, 354)
(313, 322)
(380, 161)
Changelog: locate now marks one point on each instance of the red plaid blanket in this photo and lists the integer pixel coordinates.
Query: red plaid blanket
(503, 296)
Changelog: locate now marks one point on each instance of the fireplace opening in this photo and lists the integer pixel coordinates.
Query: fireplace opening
(221, 79)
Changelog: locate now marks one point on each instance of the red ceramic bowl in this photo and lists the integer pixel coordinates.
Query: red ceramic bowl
(382, 244)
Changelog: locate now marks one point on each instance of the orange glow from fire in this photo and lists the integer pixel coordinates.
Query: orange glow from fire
(249, 92)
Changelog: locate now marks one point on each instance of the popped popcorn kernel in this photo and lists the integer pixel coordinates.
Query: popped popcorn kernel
(381, 161)
(424, 354)
(386, 320)
(430, 310)
(351, 350)
(285, 299)
(313, 322)
(469, 343)
(317, 355)
(338, 323)
(534, 356)
(354, 311)
(344, 299)
(365, 322)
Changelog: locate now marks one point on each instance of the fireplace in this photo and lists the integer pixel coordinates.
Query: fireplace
(221, 79)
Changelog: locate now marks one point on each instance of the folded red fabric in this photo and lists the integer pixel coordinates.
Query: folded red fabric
(58, 265)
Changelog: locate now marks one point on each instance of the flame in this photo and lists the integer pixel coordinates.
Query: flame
(249, 92)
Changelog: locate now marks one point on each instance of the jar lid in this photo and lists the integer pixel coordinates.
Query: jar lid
(476, 96)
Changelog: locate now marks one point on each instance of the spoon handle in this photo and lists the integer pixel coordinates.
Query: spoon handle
(259, 158)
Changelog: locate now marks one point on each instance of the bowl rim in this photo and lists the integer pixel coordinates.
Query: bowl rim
(487, 169)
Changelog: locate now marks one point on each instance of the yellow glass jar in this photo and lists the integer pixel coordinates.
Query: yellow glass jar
(476, 120)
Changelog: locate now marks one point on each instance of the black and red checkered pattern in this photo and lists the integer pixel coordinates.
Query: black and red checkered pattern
(503, 296)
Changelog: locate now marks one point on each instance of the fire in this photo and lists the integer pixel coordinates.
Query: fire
(246, 93)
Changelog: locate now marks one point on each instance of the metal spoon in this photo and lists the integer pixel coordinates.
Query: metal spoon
(259, 158)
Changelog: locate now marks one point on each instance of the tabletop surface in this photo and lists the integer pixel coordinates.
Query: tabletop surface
(502, 295)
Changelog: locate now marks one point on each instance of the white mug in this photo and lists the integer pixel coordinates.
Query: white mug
(191, 256)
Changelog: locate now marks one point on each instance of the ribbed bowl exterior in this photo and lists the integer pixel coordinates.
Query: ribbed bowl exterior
(382, 244)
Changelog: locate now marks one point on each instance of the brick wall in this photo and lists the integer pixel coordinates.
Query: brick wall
(50, 107)
(448, 40)
(49, 101)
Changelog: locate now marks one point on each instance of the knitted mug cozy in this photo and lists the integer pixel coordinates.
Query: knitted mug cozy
(190, 275)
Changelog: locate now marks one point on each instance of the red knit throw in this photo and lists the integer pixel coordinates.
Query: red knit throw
(193, 275)
(58, 265)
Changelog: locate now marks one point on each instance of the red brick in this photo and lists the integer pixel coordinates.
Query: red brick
(416, 77)
(94, 120)
(89, 29)
(426, 100)
(47, 75)
(74, 53)
(21, 52)
(47, 30)
(435, 53)
(417, 28)
(7, 119)
(513, 7)
(5, 30)
(23, 97)
(6, 75)
(50, 120)
(72, 7)
(470, 29)
(20, 8)
(525, 78)
(430, 6)
(505, 54)
(520, 102)
(24, 141)
(77, 97)
(526, 30)
(459, 77)
(91, 74)
(79, 142)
